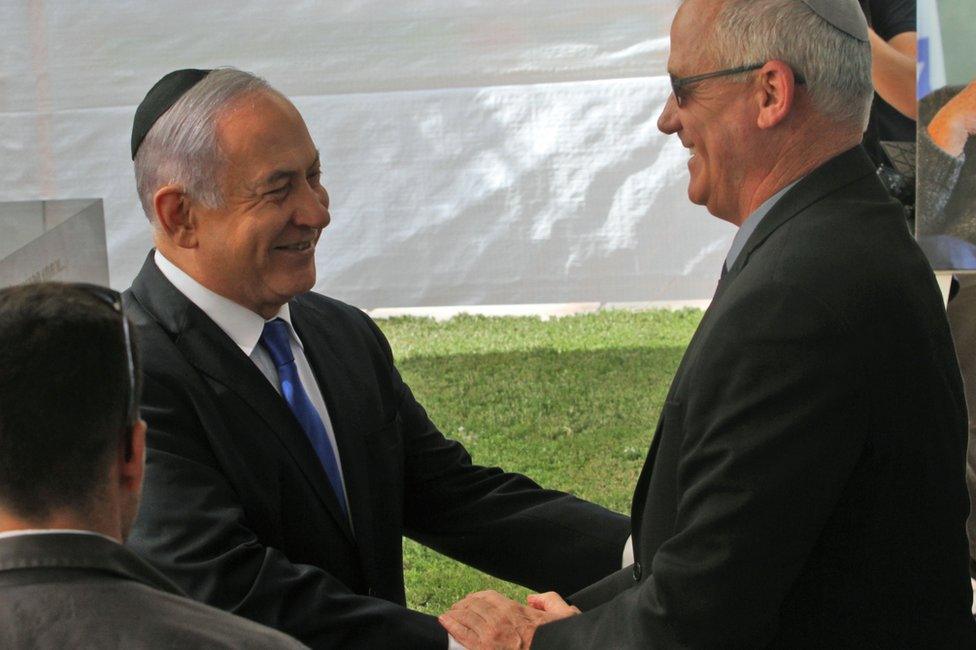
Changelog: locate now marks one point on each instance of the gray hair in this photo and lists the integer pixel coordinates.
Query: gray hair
(182, 147)
(836, 67)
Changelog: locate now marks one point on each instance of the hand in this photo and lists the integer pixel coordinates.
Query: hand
(487, 620)
(955, 122)
(553, 603)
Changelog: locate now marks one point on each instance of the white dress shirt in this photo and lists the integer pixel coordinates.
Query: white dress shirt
(244, 328)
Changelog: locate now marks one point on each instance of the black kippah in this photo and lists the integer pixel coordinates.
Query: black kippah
(159, 99)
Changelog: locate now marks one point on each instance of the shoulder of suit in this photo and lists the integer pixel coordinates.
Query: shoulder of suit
(152, 618)
(217, 624)
(160, 357)
(329, 307)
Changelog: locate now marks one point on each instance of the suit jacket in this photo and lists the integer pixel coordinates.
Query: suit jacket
(238, 510)
(83, 591)
(805, 484)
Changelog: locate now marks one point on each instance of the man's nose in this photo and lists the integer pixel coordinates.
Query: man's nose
(313, 210)
(668, 122)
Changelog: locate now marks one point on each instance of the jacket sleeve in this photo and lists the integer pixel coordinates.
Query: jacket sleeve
(499, 522)
(771, 427)
(192, 526)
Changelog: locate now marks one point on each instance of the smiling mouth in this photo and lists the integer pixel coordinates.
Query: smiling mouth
(299, 246)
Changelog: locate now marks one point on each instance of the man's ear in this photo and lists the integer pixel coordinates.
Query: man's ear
(132, 458)
(776, 94)
(174, 216)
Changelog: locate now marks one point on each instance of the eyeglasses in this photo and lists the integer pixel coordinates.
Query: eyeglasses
(679, 84)
(113, 299)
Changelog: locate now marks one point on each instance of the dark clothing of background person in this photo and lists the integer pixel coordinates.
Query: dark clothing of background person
(238, 511)
(947, 232)
(962, 319)
(888, 18)
(804, 487)
(76, 590)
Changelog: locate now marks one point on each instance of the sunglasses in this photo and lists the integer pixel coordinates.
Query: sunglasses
(679, 85)
(113, 299)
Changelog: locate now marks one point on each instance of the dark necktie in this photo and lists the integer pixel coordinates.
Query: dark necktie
(276, 340)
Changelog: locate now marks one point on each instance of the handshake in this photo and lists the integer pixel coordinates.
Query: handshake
(486, 619)
(804, 486)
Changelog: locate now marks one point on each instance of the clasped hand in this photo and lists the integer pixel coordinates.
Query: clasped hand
(487, 620)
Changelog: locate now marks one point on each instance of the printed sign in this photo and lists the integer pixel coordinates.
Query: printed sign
(53, 240)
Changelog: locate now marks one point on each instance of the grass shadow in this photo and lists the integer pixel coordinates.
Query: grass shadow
(577, 420)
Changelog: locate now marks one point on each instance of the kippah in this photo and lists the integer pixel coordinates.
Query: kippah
(159, 99)
(845, 15)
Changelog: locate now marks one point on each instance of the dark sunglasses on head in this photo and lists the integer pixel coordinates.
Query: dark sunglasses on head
(680, 84)
(113, 299)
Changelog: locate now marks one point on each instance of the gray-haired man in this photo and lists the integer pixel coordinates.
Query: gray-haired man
(287, 458)
(805, 484)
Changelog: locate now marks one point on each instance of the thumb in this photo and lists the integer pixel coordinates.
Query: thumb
(551, 602)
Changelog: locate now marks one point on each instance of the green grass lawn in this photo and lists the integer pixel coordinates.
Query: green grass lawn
(571, 402)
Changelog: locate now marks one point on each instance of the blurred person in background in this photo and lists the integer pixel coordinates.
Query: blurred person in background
(892, 32)
(893, 37)
(947, 233)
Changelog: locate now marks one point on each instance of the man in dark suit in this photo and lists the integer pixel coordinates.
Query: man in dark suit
(805, 486)
(947, 234)
(287, 458)
(71, 464)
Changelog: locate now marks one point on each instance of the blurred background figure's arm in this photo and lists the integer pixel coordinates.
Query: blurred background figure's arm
(892, 34)
(893, 70)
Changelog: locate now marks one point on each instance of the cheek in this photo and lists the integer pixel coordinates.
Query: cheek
(218, 244)
(253, 237)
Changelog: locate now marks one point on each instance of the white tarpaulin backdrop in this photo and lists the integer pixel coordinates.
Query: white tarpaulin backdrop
(476, 151)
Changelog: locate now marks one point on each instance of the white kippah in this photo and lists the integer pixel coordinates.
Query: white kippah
(845, 15)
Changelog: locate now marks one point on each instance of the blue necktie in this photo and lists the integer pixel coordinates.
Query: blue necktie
(276, 340)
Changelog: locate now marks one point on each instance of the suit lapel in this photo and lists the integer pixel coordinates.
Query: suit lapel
(844, 169)
(208, 348)
(343, 397)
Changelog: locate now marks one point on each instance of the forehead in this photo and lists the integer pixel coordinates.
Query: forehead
(690, 33)
(262, 131)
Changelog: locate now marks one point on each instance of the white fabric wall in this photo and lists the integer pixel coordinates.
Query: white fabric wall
(476, 151)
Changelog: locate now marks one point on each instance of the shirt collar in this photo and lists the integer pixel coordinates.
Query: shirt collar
(749, 225)
(242, 325)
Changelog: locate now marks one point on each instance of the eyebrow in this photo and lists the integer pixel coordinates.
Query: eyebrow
(282, 174)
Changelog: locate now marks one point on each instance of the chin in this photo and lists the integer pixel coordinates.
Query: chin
(308, 281)
(296, 280)
(300, 285)
(697, 196)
